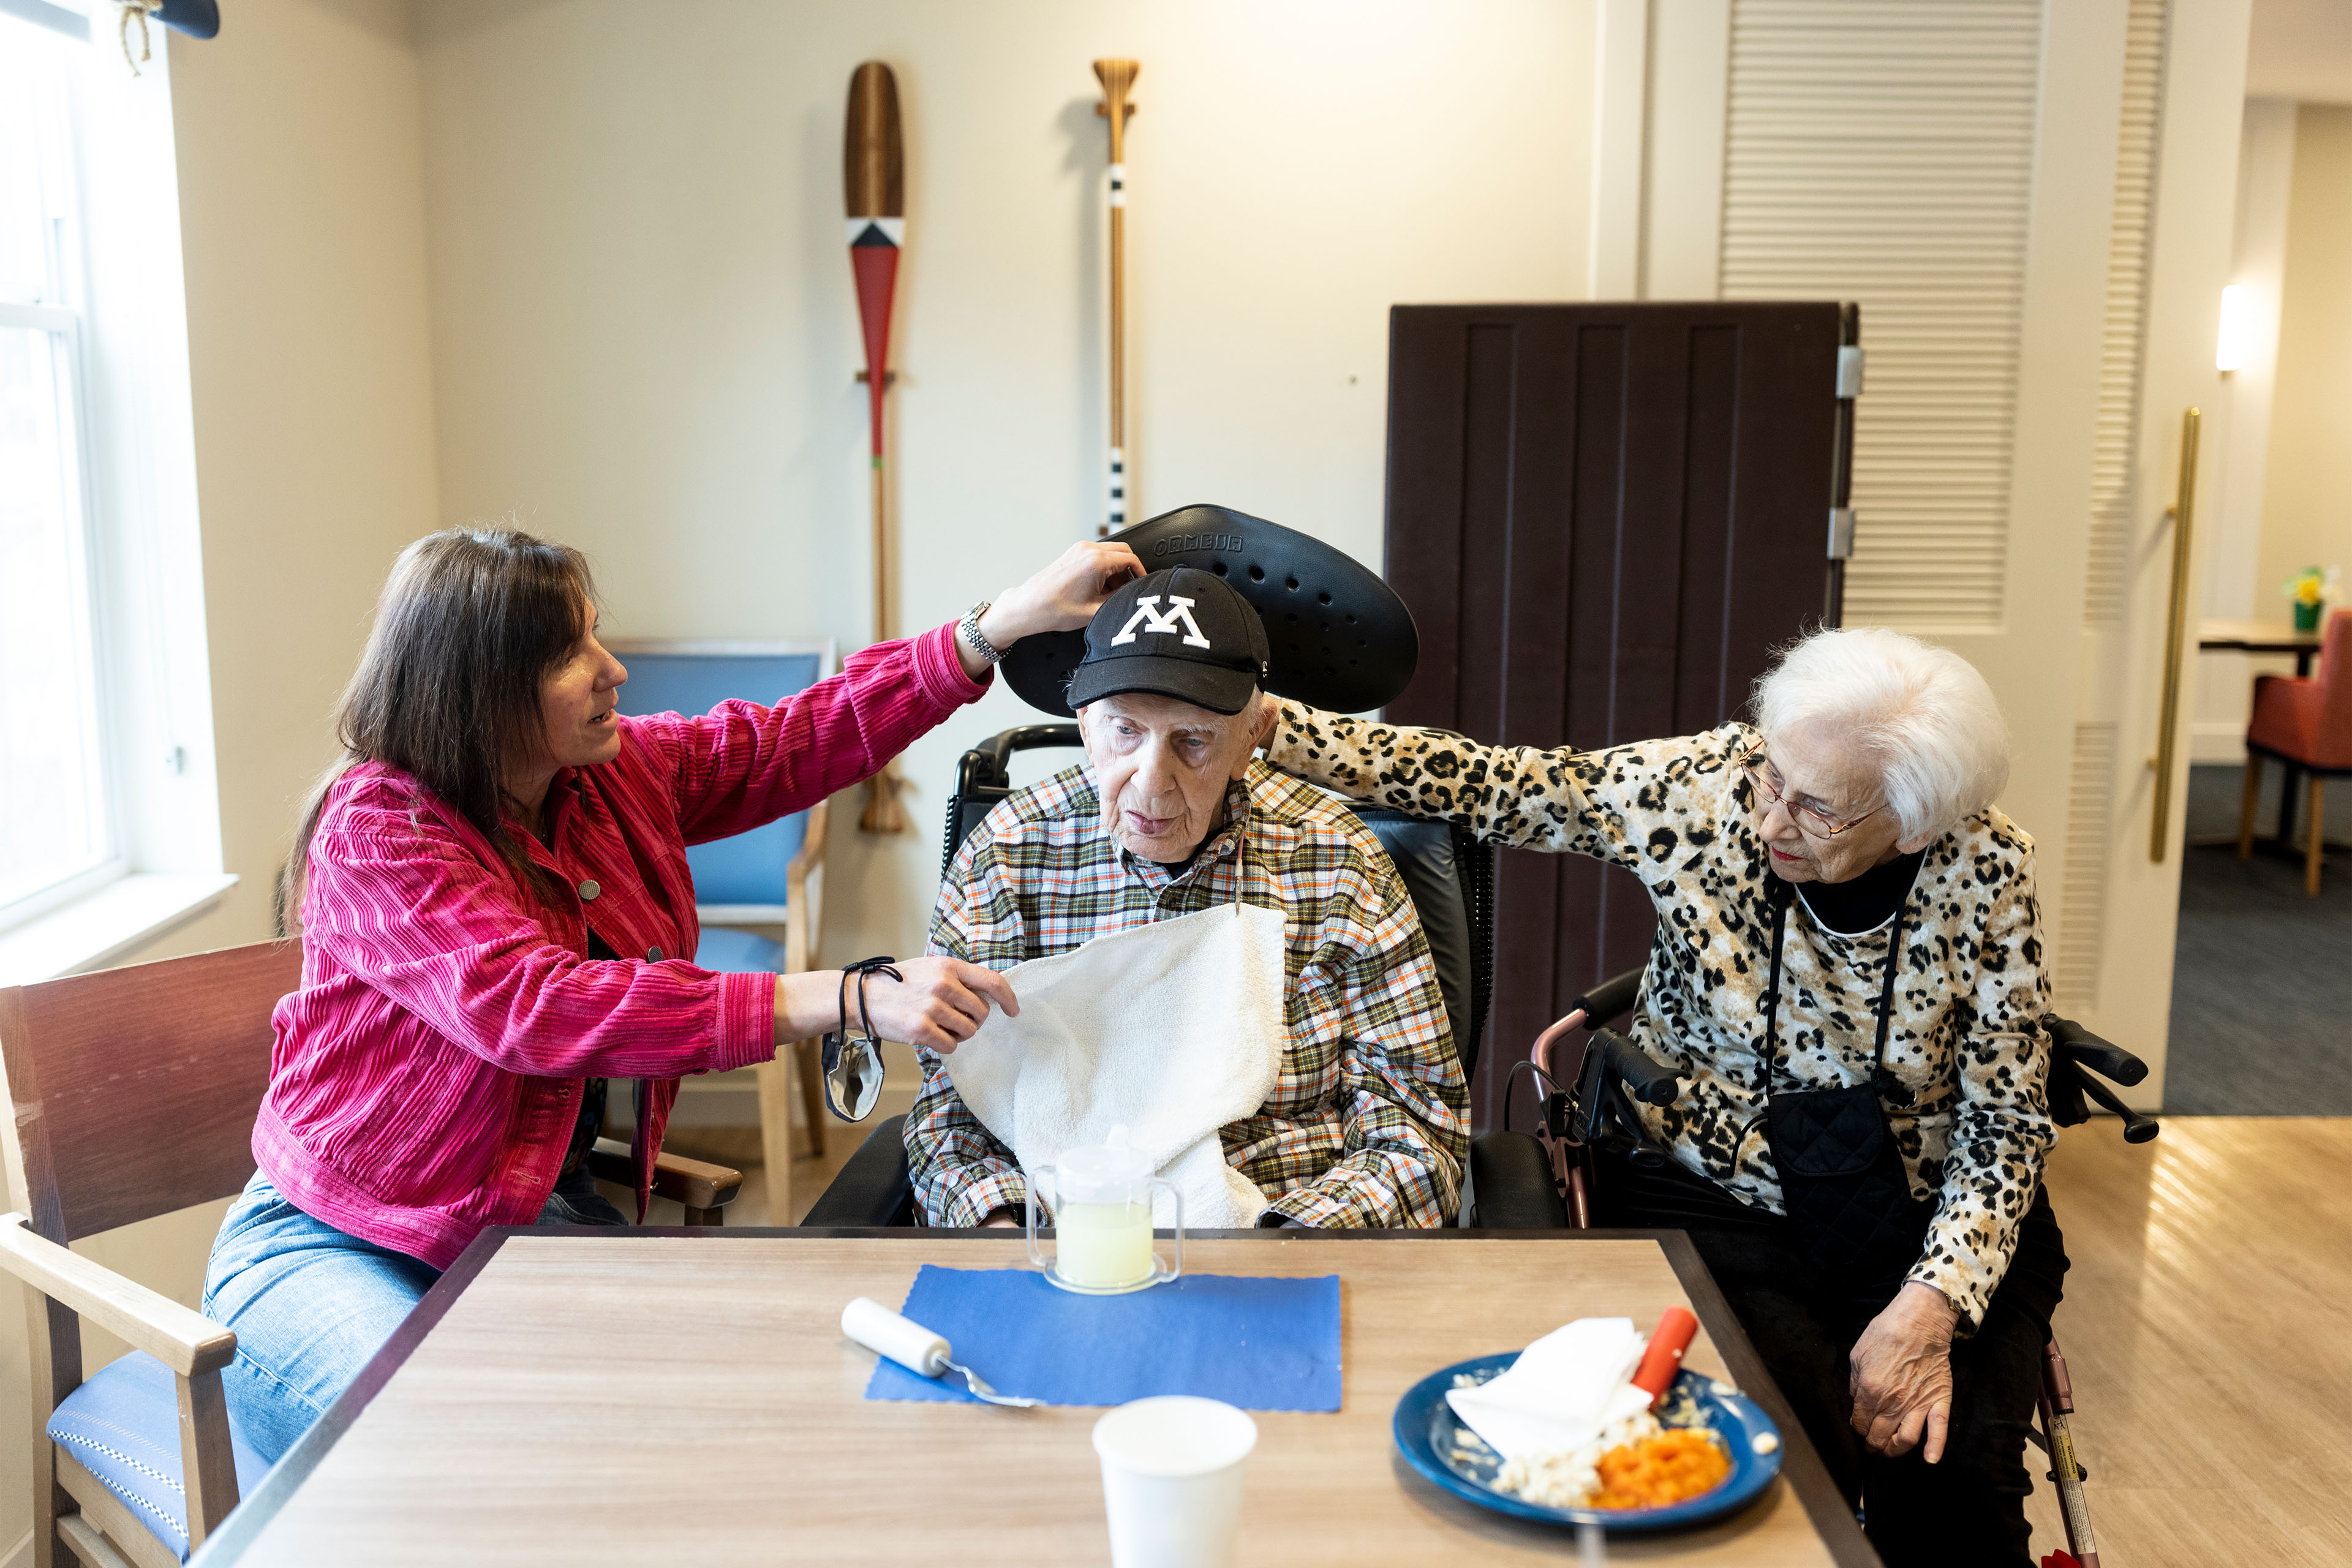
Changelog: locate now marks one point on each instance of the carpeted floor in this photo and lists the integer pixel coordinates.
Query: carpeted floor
(2261, 989)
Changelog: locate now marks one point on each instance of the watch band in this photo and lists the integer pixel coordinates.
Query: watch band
(969, 629)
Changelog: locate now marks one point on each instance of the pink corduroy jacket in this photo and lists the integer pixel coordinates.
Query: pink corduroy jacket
(427, 1076)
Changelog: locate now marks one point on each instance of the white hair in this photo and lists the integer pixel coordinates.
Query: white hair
(1920, 714)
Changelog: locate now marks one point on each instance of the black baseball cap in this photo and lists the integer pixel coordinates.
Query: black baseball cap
(1181, 633)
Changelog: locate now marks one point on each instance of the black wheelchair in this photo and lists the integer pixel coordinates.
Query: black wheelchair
(1449, 875)
(1547, 1179)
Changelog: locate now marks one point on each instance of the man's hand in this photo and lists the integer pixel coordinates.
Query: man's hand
(1004, 1220)
(938, 1007)
(1902, 1370)
(1064, 596)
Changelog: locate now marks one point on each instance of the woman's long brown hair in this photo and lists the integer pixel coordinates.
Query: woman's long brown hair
(469, 623)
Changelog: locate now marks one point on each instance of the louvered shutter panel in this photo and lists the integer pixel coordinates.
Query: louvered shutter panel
(1883, 153)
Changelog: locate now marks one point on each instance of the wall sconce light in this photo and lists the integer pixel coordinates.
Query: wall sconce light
(2237, 336)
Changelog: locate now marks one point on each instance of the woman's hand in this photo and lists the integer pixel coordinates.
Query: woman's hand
(938, 1005)
(1901, 1370)
(1064, 596)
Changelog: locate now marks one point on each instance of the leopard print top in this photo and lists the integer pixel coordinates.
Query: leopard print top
(1967, 1056)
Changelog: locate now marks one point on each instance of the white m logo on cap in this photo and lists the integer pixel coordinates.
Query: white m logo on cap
(1178, 618)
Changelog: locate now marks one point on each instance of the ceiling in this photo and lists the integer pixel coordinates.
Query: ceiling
(2301, 48)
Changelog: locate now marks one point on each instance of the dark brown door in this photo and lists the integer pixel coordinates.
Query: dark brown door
(1604, 518)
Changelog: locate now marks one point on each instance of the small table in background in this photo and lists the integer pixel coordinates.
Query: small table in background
(2259, 637)
(2267, 636)
(641, 1395)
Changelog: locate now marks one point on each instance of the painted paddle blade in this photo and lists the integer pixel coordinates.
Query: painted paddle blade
(873, 188)
(874, 258)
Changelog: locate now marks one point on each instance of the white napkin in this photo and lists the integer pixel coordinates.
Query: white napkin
(1562, 1393)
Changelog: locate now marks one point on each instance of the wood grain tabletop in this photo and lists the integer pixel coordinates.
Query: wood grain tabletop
(636, 1397)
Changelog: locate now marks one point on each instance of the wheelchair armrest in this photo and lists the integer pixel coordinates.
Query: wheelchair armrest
(1511, 1184)
(873, 1188)
(2078, 1045)
(1610, 998)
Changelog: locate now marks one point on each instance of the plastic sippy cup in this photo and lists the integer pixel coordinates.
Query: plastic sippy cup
(1101, 1199)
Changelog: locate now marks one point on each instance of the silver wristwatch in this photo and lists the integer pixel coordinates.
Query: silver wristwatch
(969, 629)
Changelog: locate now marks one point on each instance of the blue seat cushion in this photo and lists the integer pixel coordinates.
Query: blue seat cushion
(733, 951)
(123, 1426)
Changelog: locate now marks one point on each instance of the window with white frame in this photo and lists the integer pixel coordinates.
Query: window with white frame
(56, 817)
(109, 814)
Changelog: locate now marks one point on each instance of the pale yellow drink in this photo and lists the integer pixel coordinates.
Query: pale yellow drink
(1102, 1245)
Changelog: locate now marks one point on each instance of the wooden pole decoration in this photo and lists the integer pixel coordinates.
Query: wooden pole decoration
(1117, 78)
(873, 182)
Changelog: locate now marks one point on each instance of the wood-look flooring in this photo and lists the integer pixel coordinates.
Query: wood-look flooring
(2207, 1324)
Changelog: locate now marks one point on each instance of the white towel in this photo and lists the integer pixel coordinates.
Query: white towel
(1172, 1029)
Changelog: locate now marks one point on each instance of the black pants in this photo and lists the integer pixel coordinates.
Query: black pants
(1969, 1509)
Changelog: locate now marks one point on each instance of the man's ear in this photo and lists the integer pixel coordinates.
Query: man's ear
(1260, 731)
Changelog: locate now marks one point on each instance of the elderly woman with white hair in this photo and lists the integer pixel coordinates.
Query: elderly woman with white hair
(1848, 980)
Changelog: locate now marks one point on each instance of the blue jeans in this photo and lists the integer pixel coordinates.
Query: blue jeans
(311, 1304)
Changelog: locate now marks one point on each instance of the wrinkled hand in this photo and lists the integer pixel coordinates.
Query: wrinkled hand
(1902, 1372)
(1064, 595)
(938, 1005)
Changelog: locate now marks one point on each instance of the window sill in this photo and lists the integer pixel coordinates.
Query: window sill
(91, 933)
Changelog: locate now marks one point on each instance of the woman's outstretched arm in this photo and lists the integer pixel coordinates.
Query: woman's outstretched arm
(1629, 804)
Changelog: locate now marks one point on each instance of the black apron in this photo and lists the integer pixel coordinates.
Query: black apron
(1842, 1179)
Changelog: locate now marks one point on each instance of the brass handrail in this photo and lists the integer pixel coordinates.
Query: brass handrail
(2176, 631)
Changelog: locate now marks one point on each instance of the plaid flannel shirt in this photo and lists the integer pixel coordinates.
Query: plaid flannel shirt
(1366, 1124)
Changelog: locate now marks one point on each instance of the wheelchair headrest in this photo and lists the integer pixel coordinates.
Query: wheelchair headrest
(1338, 636)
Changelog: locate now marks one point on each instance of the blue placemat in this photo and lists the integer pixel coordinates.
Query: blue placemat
(1262, 1345)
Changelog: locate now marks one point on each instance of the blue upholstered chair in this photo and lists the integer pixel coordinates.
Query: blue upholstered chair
(758, 895)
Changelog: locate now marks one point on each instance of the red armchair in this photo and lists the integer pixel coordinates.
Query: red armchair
(2305, 723)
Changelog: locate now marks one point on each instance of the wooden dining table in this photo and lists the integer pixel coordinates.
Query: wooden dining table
(686, 1395)
(2214, 635)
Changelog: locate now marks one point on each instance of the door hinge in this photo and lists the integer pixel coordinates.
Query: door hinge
(1841, 533)
(1848, 372)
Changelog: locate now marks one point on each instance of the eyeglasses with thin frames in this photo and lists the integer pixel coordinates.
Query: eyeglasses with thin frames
(1820, 822)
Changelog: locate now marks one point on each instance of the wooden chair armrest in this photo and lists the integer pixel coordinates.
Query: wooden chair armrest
(802, 937)
(692, 1182)
(188, 1342)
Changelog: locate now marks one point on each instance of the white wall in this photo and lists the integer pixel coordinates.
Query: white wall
(2307, 492)
(644, 333)
(302, 207)
(2265, 177)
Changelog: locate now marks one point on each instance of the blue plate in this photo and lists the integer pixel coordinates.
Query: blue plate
(1431, 1440)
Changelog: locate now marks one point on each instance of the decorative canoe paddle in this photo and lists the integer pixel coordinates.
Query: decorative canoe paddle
(1117, 77)
(874, 181)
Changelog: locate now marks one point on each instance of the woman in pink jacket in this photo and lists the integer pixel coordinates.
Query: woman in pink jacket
(497, 916)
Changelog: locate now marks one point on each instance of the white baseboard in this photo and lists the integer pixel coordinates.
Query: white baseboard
(2216, 742)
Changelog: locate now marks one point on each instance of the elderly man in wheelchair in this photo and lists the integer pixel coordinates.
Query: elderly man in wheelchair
(1218, 962)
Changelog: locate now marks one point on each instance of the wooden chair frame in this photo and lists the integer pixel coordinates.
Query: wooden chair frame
(132, 1093)
(2315, 841)
(802, 915)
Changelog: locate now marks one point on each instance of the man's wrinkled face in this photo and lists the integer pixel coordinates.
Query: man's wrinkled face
(1161, 767)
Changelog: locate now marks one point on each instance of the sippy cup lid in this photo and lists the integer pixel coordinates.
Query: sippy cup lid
(1113, 1164)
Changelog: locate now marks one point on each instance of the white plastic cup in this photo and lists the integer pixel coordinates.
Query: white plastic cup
(1172, 1480)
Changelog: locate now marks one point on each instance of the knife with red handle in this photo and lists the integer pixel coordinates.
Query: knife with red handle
(1664, 1356)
